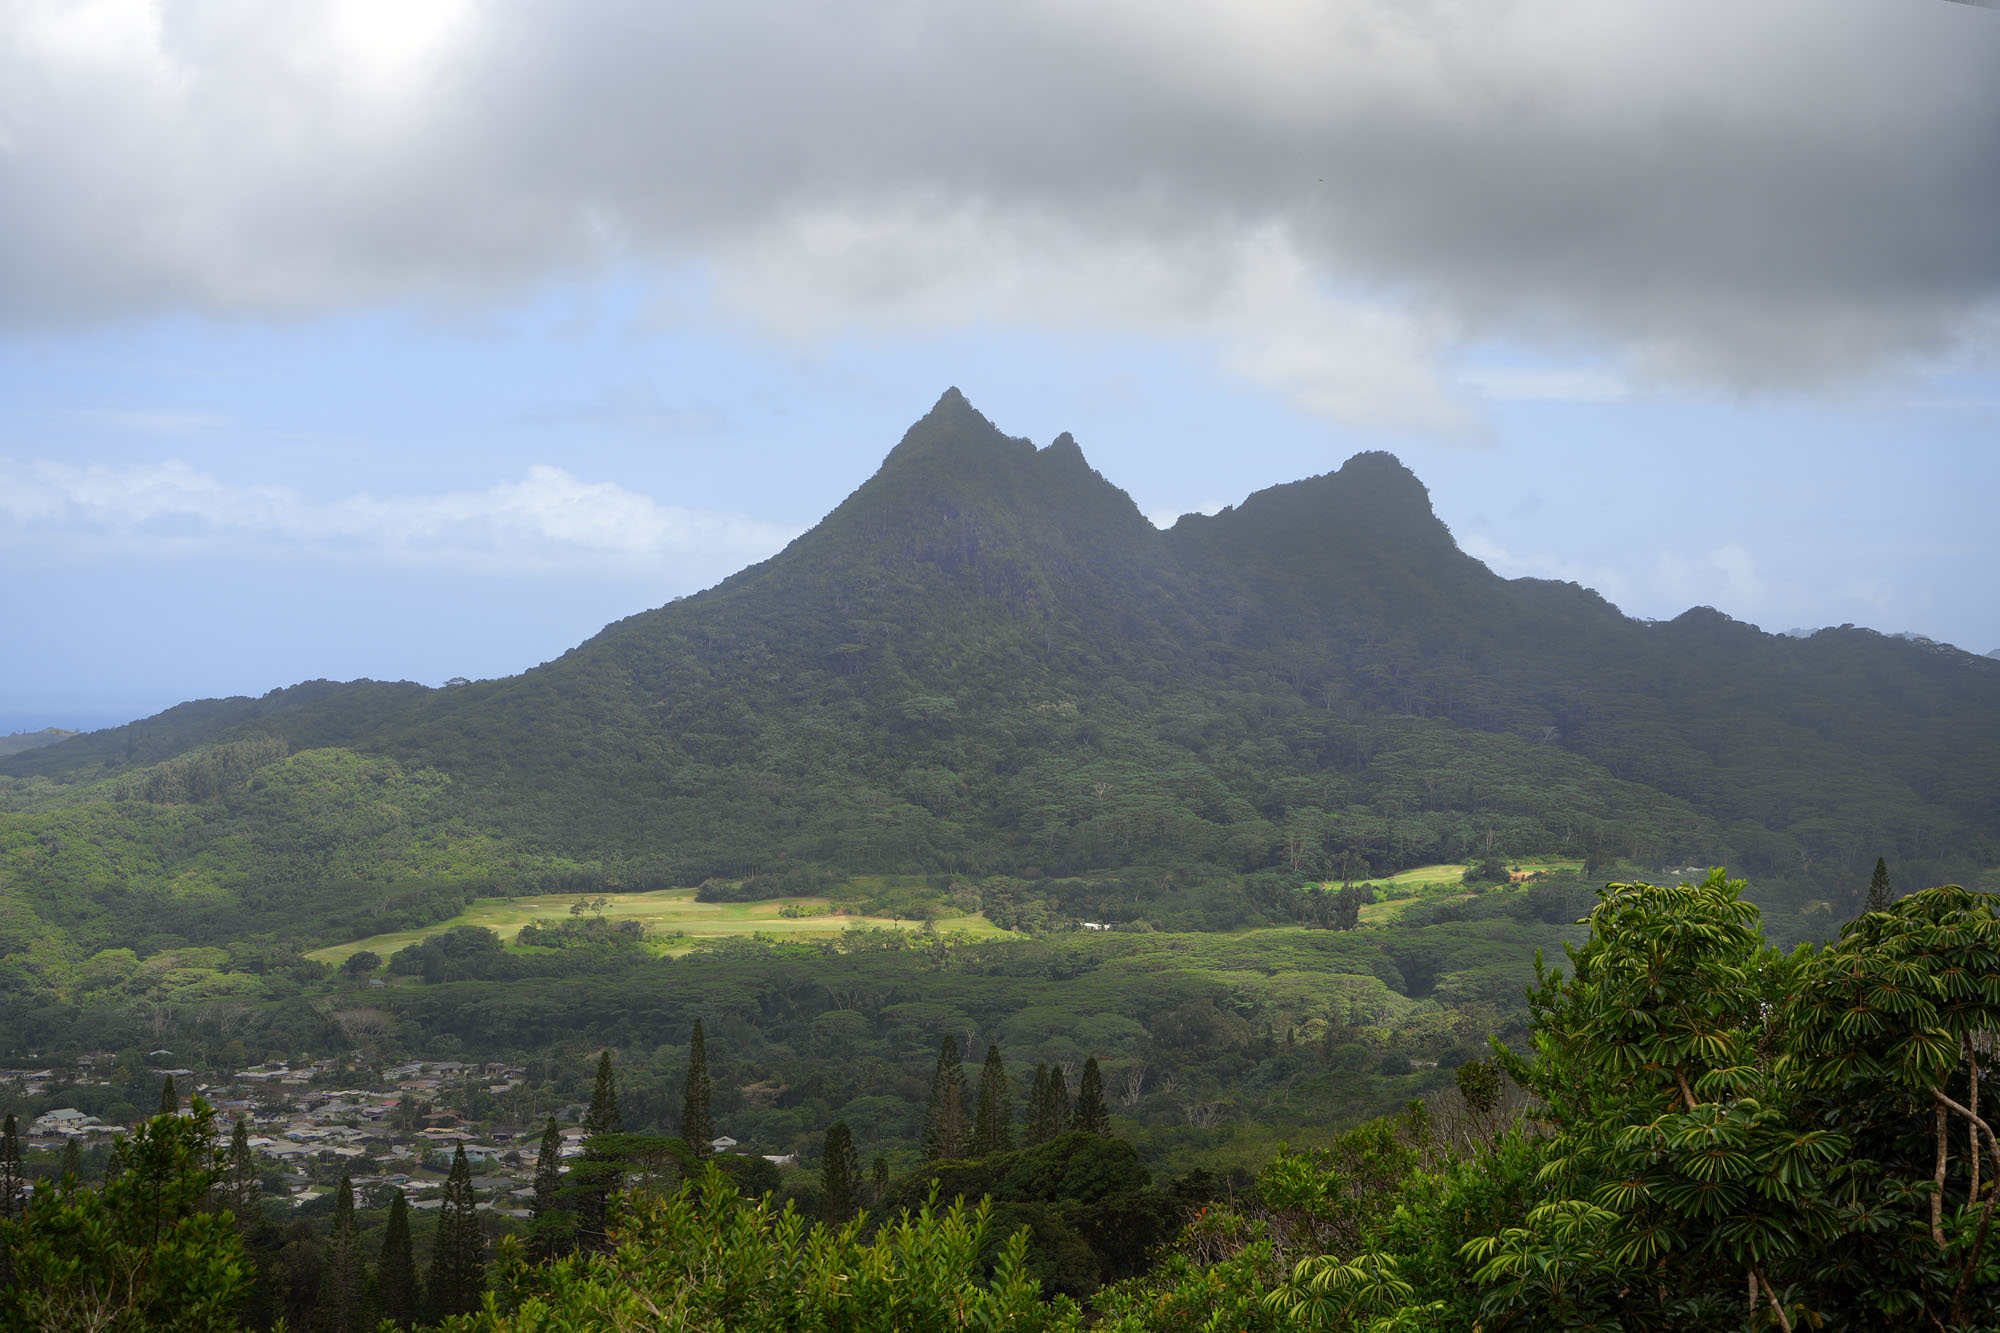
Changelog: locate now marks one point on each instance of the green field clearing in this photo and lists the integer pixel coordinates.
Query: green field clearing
(1442, 883)
(664, 912)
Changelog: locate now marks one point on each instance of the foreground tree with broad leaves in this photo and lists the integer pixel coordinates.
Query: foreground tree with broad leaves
(1792, 1141)
(706, 1258)
(1726, 1138)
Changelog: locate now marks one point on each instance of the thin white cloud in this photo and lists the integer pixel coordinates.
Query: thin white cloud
(1790, 193)
(1663, 584)
(1618, 585)
(1723, 576)
(1166, 518)
(1546, 386)
(635, 407)
(545, 522)
(154, 420)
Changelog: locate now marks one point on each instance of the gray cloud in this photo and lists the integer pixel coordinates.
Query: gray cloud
(1771, 195)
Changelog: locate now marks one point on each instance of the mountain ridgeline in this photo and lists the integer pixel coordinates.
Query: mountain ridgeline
(987, 661)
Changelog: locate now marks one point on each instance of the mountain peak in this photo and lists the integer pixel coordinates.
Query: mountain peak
(952, 403)
(955, 432)
(1371, 494)
(1064, 455)
(1385, 476)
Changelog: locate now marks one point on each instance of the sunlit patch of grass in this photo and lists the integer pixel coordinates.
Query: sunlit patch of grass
(672, 917)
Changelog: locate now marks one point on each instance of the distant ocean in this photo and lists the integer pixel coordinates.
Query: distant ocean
(14, 720)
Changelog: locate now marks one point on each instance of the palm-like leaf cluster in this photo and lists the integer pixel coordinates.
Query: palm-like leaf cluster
(1802, 1131)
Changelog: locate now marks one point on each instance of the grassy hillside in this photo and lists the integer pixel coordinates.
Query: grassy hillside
(673, 920)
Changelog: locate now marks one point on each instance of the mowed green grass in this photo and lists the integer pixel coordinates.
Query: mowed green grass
(663, 912)
(1441, 883)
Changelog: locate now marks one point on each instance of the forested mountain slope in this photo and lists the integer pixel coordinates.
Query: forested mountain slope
(987, 661)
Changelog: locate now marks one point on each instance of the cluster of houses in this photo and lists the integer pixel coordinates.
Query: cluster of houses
(305, 1134)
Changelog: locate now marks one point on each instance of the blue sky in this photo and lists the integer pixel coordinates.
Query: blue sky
(347, 344)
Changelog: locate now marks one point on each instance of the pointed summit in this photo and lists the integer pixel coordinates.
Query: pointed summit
(1064, 454)
(954, 431)
(960, 494)
(951, 400)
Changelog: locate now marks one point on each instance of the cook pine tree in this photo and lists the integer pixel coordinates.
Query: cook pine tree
(344, 1276)
(239, 1190)
(1880, 895)
(552, 1225)
(1049, 1105)
(840, 1177)
(597, 1170)
(696, 1126)
(396, 1271)
(993, 1121)
(1091, 1115)
(10, 1168)
(944, 1119)
(458, 1262)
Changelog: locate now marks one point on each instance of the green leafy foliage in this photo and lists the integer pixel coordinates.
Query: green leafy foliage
(1744, 1126)
(706, 1258)
(140, 1253)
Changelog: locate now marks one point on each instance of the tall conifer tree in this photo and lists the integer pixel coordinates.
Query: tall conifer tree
(10, 1168)
(1880, 895)
(944, 1120)
(240, 1191)
(458, 1262)
(342, 1283)
(170, 1097)
(1038, 1096)
(597, 1171)
(696, 1127)
(11, 1180)
(71, 1173)
(1052, 1108)
(840, 1176)
(993, 1123)
(396, 1272)
(554, 1226)
(1092, 1117)
(602, 1117)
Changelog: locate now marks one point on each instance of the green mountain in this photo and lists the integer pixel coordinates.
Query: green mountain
(986, 661)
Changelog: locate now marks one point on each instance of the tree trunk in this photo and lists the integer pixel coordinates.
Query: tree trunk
(1937, 1176)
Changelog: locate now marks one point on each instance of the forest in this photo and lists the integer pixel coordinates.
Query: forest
(1699, 1131)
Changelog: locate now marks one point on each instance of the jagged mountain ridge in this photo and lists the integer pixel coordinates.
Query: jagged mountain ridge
(986, 658)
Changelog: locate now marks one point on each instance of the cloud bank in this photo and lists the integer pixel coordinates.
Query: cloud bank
(547, 522)
(1334, 197)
